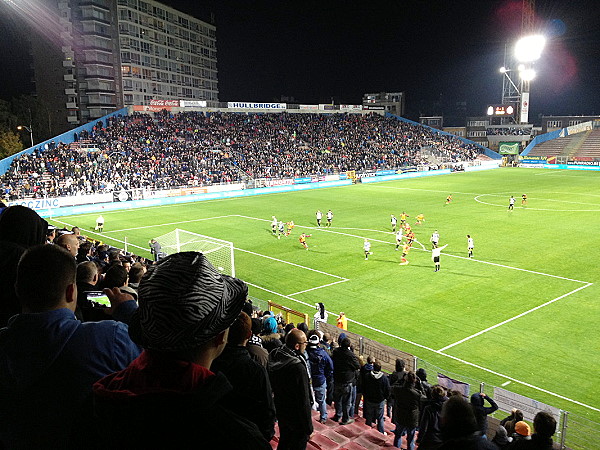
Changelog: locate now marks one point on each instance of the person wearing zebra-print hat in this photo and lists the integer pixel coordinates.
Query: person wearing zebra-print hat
(169, 394)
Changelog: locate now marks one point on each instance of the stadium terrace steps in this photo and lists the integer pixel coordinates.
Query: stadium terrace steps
(579, 145)
(355, 436)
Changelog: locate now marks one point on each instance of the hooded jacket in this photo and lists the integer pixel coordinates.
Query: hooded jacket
(481, 412)
(430, 427)
(291, 389)
(321, 365)
(162, 402)
(48, 364)
(376, 387)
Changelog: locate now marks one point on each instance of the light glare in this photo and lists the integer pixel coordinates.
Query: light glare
(529, 48)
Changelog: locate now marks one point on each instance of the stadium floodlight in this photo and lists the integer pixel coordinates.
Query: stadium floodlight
(503, 69)
(527, 74)
(529, 48)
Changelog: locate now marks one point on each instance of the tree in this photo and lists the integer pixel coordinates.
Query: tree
(10, 143)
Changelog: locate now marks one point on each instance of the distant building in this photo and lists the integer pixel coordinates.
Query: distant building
(477, 130)
(108, 54)
(552, 123)
(432, 121)
(391, 102)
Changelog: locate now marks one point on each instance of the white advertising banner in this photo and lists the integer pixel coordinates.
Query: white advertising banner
(193, 103)
(58, 202)
(311, 107)
(525, 107)
(248, 105)
(351, 107)
(508, 400)
(580, 127)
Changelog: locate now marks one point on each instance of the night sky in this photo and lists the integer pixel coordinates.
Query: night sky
(438, 52)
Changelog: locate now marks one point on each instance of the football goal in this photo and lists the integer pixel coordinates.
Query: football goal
(217, 251)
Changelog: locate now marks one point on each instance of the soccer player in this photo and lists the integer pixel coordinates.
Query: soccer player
(448, 199)
(319, 215)
(394, 222)
(435, 256)
(302, 240)
(99, 223)
(329, 218)
(470, 245)
(410, 237)
(511, 203)
(420, 218)
(435, 238)
(290, 226)
(367, 248)
(405, 250)
(399, 236)
(280, 229)
(523, 199)
(274, 223)
(403, 217)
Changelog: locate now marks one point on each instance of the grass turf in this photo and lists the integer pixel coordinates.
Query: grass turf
(523, 259)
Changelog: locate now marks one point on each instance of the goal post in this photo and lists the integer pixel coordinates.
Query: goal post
(217, 251)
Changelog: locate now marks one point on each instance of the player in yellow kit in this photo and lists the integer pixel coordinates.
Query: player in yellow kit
(405, 250)
(420, 218)
(302, 240)
(289, 227)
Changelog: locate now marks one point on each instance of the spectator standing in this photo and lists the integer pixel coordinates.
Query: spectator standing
(459, 427)
(345, 372)
(257, 352)
(49, 360)
(342, 321)
(291, 389)
(376, 389)
(321, 368)
(251, 397)
(481, 411)
(430, 429)
(405, 414)
(168, 396)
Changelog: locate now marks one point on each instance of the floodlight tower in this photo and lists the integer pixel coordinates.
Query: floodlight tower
(515, 90)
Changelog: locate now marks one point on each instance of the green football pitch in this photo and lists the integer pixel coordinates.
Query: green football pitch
(522, 313)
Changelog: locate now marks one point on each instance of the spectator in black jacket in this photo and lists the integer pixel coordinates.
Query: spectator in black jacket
(405, 414)
(481, 412)
(430, 428)
(459, 427)
(376, 389)
(396, 377)
(291, 388)
(544, 426)
(251, 397)
(345, 371)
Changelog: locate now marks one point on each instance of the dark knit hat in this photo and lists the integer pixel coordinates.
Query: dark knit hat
(184, 302)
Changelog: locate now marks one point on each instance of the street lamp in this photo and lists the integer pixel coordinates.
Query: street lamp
(28, 128)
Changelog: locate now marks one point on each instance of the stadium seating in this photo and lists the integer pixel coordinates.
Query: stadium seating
(192, 149)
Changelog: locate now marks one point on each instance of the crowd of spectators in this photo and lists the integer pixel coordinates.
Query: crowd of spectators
(180, 354)
(164, 150)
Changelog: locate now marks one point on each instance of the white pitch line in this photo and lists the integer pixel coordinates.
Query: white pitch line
(477, 366)
(548, 172)
(514, 318)
(290, 263)
(319, 287)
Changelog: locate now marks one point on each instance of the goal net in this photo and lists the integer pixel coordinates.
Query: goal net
(217, 251)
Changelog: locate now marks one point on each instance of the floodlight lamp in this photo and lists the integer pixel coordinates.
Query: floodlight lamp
(529, 48)
(503, 69)
(527, 74)
(521, 67)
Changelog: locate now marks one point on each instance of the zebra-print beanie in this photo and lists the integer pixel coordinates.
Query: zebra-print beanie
(184, 302)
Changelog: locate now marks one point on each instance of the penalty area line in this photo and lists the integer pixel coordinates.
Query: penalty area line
(514, 318)
(319, 287)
